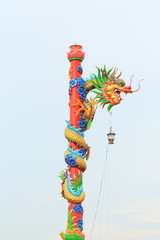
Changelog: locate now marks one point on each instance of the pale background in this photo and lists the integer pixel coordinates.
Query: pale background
(34, 38)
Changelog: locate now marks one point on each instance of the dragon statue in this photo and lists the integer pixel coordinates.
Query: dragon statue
(107, 86)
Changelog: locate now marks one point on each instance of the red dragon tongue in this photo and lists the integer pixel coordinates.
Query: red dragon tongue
(127, 89)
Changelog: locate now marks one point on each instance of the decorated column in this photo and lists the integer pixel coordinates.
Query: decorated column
(72, 186)
(107, 86)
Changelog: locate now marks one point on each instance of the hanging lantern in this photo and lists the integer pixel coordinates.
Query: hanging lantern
(111, 136)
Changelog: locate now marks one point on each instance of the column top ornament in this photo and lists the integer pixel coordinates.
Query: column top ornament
(75, 53)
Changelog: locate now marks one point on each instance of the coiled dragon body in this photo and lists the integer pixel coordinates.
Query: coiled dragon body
(107, 87)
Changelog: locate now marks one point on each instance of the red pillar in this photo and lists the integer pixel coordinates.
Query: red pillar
(76, 93)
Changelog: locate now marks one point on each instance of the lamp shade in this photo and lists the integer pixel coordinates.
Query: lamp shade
(111, 136)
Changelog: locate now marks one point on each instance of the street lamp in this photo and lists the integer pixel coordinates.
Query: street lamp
(111, 136)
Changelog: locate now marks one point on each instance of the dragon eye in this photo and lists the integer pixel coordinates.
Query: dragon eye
(121, 83)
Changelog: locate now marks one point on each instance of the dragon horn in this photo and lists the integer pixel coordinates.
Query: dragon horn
(138, 85)
(119, 75)
(114, 71)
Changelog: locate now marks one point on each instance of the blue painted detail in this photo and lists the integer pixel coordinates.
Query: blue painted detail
(80, 69)
(70, 159)
(78, 208)
(81, 90)
(83, 151)
(82, 124)
(70, 188)
(74, 129)
(90, 78)
(76, 152)
(80, 82)
(71, 155)
(80, 221)
(80, 152)
(80, 224)
(83, 96)
(73, 82)
(81, 117)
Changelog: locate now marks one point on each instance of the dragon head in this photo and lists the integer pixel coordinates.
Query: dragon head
(109, 87)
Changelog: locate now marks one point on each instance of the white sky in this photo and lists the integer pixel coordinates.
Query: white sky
(35, 36)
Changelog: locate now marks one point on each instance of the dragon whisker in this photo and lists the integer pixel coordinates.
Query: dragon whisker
(138, 85)
(131, 80)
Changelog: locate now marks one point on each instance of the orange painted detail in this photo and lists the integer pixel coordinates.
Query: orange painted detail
(74, 74)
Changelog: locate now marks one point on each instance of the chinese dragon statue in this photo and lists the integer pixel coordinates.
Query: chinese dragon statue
(107, 86)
